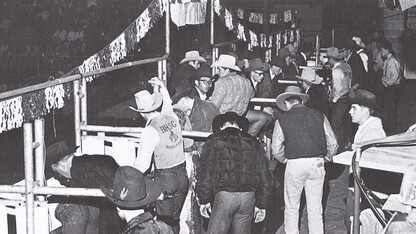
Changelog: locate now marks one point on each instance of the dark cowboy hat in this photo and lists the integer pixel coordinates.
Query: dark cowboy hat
(364, 98)
(131, 189)
(290, 92)
(278, 62)
(386, 45)
(201, 72)
(56, 152)
(257, 65)
(333, 52)
(220, 119)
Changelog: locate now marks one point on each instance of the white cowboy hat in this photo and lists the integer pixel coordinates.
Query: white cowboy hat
(147, 102)
(309, 75)
(358, 41)
(290, 92)
(226, 61)
(193, 55)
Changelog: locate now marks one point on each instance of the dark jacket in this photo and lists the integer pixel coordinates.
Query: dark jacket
(144, 224)
(233, 161)
(358, 70)
(181, 79)
(318, 99)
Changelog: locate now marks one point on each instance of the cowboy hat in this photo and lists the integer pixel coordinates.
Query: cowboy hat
(290, 92)
(131, 189)
(257, 65)
(283, 53)
(193, 55)
(291, 49)
(201, 72)
(221, 119)
(358, 41)
(386, 45)
(309, 75)
(57, 151)
(333, 52)
(226, 61)
(278, 62)
(364, 98)
(147, 102)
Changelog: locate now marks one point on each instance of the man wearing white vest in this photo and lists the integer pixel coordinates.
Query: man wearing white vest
(162, 137)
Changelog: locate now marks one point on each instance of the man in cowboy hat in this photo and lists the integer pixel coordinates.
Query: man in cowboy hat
(233, 180)
(359, 74)
(162, 137)
(304, 140)
(232, 92)
(338, 96)
(81, 215)
(131, 193)
(181, 79)
(363, 107)
(392, 76)
(311, 84)
(276, 73)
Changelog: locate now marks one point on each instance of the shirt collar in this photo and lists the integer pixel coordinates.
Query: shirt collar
(151, 117)
(202, 95)
(254, 83)
(336, 65)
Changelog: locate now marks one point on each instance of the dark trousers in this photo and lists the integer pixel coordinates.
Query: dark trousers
(340, 122)
(173, 181)
(390, 100)
(232, 209)
(77, 218)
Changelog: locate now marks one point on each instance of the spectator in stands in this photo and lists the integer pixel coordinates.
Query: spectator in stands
(234, 182)
(304, 140)
(82, 215)
(318, 98)
(392, 76)
(181, 79)
(201, 83)
(255, 73)
(132, 193)
(338, 96)
(271, 79)
(361, 52)
(162, 137)
(232, 92)
(359, 75)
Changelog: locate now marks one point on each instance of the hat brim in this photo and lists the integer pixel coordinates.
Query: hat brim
(219, 64)
(199, 59)
(264, 67)
(153, 191)
(364, 102)
(220, 119)
(280, 100)
(158, 101)
(337, 57)
(318, 80)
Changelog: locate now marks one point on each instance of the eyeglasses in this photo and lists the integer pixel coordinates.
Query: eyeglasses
(259, 73)
(206, 82)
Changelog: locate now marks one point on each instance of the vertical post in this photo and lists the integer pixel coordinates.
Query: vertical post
(160, 74)
(333, 37)
(165, 70)
(212, 39)
(317, 50)
(266, 24)
(30, 198)
(356, 219)
(167, 28)
(84, 103)
(39, 154)
(77, 112)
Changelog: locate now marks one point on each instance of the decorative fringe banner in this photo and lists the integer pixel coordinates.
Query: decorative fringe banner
(29, 106)
(284, 23)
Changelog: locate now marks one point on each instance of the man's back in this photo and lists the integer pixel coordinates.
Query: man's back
(232, 93)
(144, 224)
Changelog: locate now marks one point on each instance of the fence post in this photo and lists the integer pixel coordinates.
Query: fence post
(39, 154)
(83, 98)
(30, 198)
(356, 219)
(77, 114)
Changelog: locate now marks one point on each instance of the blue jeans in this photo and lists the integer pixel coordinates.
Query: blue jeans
(340, 122)
(258, 119)
(174, 181)
(235, 209)
(78, 219)
(308, 173)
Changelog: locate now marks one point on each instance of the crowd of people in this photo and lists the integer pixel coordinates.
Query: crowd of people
(224, 183)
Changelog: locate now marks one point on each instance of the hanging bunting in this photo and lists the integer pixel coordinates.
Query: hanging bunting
(274, 18)
(11, 114)
(255, 18)
(217, 6)
(240, 13)
(253, 39)
(54, 97)
(228, 20)
(118, 49)
(263, 40)
(241, 34)
(287, 16)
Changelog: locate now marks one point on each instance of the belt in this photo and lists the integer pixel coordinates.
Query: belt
(180, 166)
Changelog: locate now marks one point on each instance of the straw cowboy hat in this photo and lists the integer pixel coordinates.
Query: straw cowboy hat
(364, 98)
(333, 52)
(257, 65)
(220, 119)
(309, 75)
(358, 41)
(193, 55)
(147, 102)
(131, 189)
(226, 61)
(290, 92)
